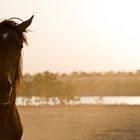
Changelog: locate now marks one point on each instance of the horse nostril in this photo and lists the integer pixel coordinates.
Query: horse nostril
(5, 88)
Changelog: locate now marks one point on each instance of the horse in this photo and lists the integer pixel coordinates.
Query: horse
(12, 38)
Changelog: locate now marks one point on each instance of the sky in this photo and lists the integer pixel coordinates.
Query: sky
(79, 35)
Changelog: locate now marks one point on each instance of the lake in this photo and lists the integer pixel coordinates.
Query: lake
(82, 100)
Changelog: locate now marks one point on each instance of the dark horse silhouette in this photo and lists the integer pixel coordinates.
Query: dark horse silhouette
(12, 38)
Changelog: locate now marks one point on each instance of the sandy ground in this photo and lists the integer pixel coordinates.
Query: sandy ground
(81, 122)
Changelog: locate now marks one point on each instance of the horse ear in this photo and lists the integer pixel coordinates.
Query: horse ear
(25, 24)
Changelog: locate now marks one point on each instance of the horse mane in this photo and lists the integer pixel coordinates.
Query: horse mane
(18, 76)
(11, 24)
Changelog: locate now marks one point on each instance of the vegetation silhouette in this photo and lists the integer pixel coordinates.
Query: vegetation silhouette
(64, 85)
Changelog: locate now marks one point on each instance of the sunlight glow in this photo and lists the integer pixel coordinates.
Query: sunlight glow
(81, 35)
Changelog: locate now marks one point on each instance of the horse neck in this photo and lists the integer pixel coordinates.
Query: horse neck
(7, 112)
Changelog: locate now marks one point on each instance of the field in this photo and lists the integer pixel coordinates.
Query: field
(81, 122)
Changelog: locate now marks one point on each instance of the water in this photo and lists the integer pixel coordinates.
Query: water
(83, 100)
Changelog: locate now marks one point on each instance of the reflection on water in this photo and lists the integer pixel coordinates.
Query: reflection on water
(83, 100)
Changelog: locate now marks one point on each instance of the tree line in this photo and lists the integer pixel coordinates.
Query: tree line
(48, 84)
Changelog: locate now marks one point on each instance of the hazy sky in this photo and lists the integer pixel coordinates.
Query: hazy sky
(79, 35)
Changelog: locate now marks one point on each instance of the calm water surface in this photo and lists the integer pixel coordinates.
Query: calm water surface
(83, 100)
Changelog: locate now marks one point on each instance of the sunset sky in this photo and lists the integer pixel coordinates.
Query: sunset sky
(79, 35)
